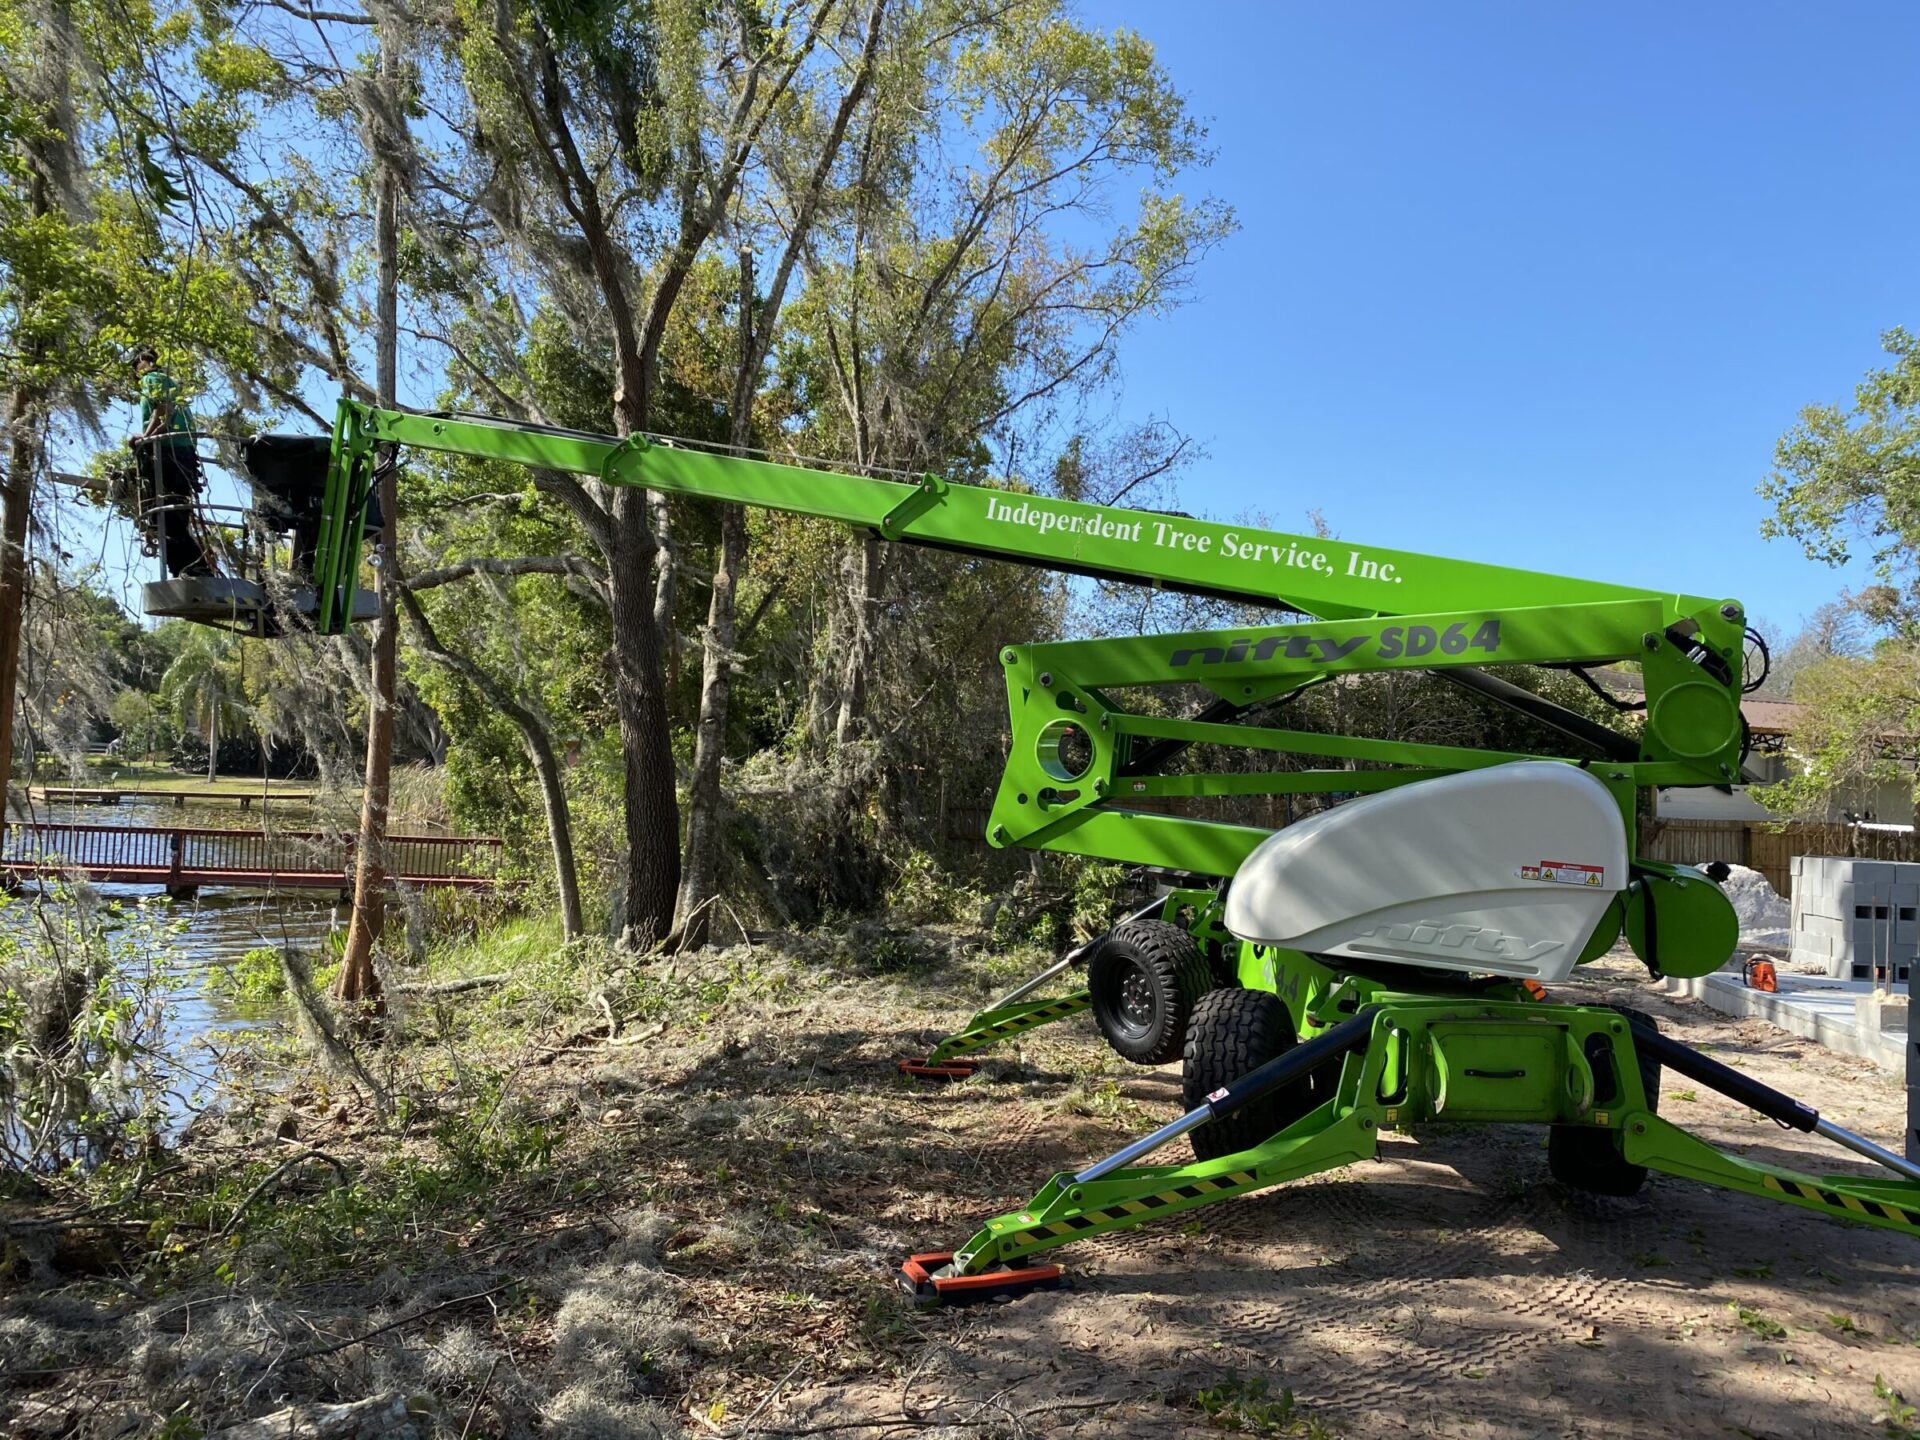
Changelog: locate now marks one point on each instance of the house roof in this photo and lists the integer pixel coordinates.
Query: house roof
(1764, 717)
(1771, 717)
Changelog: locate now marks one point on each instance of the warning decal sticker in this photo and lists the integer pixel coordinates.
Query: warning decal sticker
(1560, 872)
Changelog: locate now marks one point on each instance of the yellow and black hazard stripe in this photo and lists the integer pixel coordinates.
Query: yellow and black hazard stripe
(975, 1039)
(1144, 1205)
(1847, 1204)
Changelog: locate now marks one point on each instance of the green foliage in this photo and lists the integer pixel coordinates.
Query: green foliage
(143, 724)
(83, 994)
(1845, 741)
(1899, 1421)
(203, 690)
(255, 978)
(1846, 474)
(368, 1217)
(1243, 1406)
(1095, 885)
(1759, 1324)
(926, 892)
(97, 253)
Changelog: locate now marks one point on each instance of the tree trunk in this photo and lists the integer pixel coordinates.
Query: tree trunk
(546, 766)
(358, 979)
(652, 808)
(863, 606)
(16, 498)
(16, 503)
(700, 879)
(700, 874)
(213, 741)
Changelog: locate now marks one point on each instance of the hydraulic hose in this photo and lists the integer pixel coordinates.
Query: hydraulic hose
(1729, 1082)
(1301, 1060)
(1794, 1114)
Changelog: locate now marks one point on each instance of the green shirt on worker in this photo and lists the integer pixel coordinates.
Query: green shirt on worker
(157, 390)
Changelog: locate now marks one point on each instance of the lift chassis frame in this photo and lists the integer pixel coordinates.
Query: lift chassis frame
(1403, 1059)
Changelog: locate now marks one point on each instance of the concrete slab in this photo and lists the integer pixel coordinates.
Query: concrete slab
(1813, 1006)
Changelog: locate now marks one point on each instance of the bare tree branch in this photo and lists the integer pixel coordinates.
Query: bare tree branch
(512, 565)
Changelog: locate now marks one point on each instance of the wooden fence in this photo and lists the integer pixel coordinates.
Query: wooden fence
(1770, 850)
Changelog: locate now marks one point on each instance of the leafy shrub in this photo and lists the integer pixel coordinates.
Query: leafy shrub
(255, 978)
(83, 994)
(923, 892)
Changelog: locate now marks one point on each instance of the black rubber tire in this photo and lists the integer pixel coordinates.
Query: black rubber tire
(1145, 980)
(1584, 1158)
(1233, 1033)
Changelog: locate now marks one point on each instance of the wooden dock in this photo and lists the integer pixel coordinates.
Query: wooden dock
(113, 795)
(182, 859)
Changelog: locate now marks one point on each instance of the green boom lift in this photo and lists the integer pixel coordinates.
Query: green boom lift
(1372, 967)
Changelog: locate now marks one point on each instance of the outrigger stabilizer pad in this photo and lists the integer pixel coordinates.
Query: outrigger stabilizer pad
(921, 1068)
(921, 1275)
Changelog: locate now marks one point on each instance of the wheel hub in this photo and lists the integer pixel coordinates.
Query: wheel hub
(1136, 1000)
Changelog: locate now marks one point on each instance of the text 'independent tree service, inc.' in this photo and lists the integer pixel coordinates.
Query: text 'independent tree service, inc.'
(1169, 534)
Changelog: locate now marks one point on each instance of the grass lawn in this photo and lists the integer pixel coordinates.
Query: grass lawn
(107, 773)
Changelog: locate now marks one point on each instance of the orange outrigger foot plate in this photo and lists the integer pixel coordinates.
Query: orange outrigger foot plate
(922, 1069)
(1005, 1282)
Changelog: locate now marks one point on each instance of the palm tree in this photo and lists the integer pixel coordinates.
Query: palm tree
(202, 688)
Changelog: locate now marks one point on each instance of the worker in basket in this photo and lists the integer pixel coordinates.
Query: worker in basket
(169, 466)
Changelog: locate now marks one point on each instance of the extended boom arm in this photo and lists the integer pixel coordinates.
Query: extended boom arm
(1329, 579)
(1077, 753)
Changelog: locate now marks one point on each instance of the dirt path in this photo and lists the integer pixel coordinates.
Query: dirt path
(1452, 1289)
(707, 1239)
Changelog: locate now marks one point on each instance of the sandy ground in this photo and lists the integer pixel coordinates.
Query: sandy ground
(1452, 1289)
(712, 1251)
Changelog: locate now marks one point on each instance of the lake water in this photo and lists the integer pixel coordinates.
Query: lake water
(199, 1020)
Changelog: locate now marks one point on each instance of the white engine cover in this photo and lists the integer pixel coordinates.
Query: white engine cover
(1501, 871)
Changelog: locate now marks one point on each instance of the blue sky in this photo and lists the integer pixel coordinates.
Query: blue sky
(1532, 283)
(1537, 284)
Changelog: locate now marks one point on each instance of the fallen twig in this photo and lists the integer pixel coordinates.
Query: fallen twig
(478, 1398)
(676, 942)
(273, 1175)
(746, 1426)
(319, 1350)
(451, 987)
(640, 1035)
(745, 939)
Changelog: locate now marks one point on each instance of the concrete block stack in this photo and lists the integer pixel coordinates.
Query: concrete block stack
(1859, 919)
(1913, 1067)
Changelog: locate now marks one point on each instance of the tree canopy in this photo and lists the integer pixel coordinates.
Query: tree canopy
(1847, 477)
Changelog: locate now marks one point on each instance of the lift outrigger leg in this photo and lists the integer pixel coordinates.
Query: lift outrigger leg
(1013, 1014)
(1407, 1059)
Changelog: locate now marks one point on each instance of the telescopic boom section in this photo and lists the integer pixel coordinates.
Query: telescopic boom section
(1329, 579)
(1079, 755)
